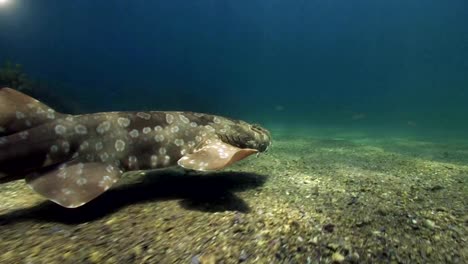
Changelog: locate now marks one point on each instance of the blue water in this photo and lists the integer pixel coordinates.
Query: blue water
(378, 65)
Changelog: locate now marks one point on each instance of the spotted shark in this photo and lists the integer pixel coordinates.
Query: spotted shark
(72, 159)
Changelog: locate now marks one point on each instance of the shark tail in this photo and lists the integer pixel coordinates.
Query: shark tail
(19, 112)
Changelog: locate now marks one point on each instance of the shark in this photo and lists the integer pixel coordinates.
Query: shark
(72, 159)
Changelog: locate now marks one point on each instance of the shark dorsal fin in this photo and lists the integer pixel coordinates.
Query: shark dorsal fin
(19, 112)
(214, 156)
(74, 183)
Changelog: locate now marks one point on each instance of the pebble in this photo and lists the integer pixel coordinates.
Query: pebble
(337, 257)
(429, 224)
(333, 246)
(243, 256)
(195, 260)
(95, 257)
(329, 228)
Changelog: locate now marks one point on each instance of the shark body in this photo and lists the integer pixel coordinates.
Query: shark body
(72, 159)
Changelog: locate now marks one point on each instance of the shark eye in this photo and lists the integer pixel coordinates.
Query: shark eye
(257, 128)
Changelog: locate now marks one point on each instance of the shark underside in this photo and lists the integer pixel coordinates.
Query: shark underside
(72, 159)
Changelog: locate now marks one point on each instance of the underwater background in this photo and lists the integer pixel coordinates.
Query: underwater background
(375, 65)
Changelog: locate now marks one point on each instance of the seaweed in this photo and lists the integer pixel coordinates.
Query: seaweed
(13, 76)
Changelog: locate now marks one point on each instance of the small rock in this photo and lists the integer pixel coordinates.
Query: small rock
(354, 257)
(436, 188)
(137, 250)
(429, 250)
(329, 228)
(243, 256)
(95, 257)
(429, 224)
(207, 259)
(195, 260)
(337, 257)
(314, 240)
(333, 246)
(111, 221)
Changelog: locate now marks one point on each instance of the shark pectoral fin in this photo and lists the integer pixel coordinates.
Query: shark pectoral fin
(215, 156)
(73, 184)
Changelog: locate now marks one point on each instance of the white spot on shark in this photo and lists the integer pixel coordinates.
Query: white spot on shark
(99, 145)
(198, 138)
(169, 118)
(110, 168)
(50, 114)
(210, 128)
(60, 129)
(223, 154)
(20, 115)
(106, 182)
(162, 151)
(159, 138)
(123, 121)
(104, 157)
(81, 129)
(154, 161)
(179, 142)
(199, 114)
(24, 134)
(143, 115)
(67, 191)
(40, 111)
(103, 127)
(119, 145)
(174, 129)
(84, 145)
(66, 147)
(216, 120)
(167, 159)
(191, 144)
(146, 130)
(90, 157)
(132, 159)
(54, 148)
(132, 162)
(184, 119)
(134, 133)
(81, 181)
(193, 124)
(158, 128)
(62, 174)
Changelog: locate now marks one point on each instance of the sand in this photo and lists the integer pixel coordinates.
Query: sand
(314, 198)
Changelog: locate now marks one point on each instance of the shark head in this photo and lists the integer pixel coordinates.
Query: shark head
(244, 135)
